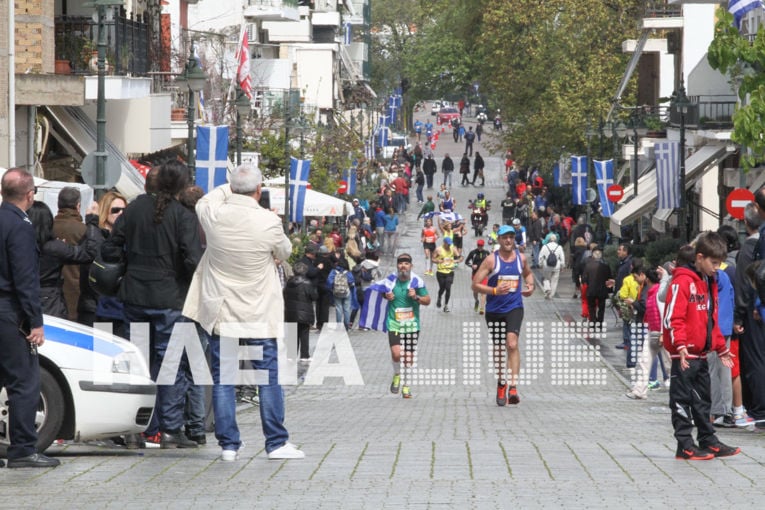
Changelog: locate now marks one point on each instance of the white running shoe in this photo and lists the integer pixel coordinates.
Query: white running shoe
(286, 451)
(229, 455)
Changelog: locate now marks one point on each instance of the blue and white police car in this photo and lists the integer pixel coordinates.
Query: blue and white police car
(93, 385)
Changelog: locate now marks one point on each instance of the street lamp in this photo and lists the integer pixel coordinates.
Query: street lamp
(242, 110)
(681, 104)
(589, 133)
(195, 80)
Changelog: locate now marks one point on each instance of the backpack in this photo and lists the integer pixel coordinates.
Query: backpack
(552, 259)
(341, 288)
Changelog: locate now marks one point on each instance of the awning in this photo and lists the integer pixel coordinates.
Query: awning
(316, 204)
(695, 167)
(659, 219)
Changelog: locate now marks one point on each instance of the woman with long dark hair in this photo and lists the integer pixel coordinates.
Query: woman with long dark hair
(54, 253)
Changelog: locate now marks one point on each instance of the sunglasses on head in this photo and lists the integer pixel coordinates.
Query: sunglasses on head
(115, 210)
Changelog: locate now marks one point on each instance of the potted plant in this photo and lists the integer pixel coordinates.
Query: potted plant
(655, 126)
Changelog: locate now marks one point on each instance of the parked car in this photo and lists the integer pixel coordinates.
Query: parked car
(446, 114)
(396, 141)
(93, 385)
(435, 108)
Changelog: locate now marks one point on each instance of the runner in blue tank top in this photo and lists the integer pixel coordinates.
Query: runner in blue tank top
(508, 278)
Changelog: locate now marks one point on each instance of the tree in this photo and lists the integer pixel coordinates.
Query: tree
(744, 61)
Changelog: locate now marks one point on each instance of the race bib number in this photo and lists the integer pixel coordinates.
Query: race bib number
(430, 239)
(404, 314)
(514, 280)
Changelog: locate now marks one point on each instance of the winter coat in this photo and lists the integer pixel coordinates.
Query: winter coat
(299, 295)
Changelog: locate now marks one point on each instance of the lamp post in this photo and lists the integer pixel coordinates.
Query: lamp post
(681, 104)
(242, 105)
(195, 80)
(589, 134)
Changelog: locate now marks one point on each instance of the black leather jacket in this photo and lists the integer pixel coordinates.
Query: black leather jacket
(55, 253)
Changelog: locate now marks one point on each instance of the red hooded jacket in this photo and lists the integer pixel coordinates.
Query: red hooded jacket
(686, 314)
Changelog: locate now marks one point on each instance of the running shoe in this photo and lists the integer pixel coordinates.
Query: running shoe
(438, 303)
(654, 385)
(446, 308)
(152, 441)
(481, 311)
(743, 420)
(405, 393)
(512, 396)
(693, 453)
(396, 384)
(723, 450)
(477, 305)
(502, 395)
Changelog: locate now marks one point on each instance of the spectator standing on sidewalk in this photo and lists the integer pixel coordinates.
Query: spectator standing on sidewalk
(690, 332)
(391, 227)
(299, 295)
(504, 309)
(69, 227)
(429, 169)
(652, 347)
(236, 285)
(465, 170)
(469, 139)
(596, 276)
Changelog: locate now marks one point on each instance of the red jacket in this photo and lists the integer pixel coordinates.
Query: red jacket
(685, 316)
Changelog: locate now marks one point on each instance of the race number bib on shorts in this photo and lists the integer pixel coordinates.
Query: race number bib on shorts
(430, 239)
(514, 280)
(404, 314)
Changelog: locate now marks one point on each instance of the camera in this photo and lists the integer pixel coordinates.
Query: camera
(265, 199)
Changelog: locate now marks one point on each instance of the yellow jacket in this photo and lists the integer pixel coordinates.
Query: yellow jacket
(629, 288)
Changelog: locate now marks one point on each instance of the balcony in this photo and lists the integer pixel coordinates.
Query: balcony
(707, 113)
(272, 10)
(127, 45)
(661, 14)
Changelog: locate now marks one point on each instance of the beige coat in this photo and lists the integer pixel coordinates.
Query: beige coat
(236, 281)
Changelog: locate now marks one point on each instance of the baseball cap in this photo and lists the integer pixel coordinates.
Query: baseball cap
(448, 240)
(516, 221)
(481, 242)
(505, 229)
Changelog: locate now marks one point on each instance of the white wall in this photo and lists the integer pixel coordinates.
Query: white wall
(315, 76)
(700, 78)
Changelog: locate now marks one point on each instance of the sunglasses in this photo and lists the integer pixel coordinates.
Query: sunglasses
(34, 190)
(116, 210)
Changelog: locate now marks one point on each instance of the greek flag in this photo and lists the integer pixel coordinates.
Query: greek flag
(667, 174)
(300, 169)
(212, 157)
(579, 180)
(384, 120)
(350, 178)
(348, 34)
(451, 217)
(374, 311)
(604, 177)
(739, 8)
(382, 137)
(369, 148)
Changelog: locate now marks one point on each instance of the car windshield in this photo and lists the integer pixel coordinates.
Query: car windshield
(449, 110)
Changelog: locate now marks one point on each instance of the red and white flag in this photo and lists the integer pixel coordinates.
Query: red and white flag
(243, 69)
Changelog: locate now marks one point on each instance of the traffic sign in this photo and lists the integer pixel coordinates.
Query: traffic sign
(342, 187)
(112, 171)
(614, 193)
(591, 195)
(737, 200)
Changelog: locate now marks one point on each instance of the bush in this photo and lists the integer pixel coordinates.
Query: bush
(662, 250)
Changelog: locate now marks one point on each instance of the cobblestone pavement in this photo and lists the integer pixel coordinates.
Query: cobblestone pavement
(573, 442)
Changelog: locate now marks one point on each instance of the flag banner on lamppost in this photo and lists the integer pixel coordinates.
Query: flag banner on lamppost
(300, 169)
(739, 8)
(369, 148)
(351, 178)
(578, 180)
(604, 177)
(565, 171)
(667, 174)
(212, 157)
(348, 33)
(243, 66)
(384, 120)
(383, 137)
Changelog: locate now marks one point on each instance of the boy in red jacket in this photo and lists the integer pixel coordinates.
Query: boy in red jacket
(690, 332)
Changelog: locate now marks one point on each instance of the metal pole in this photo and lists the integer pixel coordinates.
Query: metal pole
(190, 112)
(238, 138)
(685, 206)
(635, 160)
(101, 106)
(287, 111)
(589, 163)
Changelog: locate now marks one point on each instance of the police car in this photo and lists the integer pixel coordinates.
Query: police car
(93, 385)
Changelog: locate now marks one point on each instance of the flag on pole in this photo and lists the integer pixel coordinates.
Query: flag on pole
(565, 170)
(556, 175)
(382, 137)
(212, 157)
(348, 34)
(374, 310)
(243, 66)
(667, 174)
(579, 180)
(739, 8)
(369, 148)
(300, 169)
(350, 178)
(604, 177)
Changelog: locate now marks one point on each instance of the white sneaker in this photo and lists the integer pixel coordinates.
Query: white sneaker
(287, 451)
(229, 455)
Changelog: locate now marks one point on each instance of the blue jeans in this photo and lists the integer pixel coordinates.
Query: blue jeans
(343, 309)
(271, 398)
(535, 253)
(448, 178)
(171, 398)
(194, 413)
(419, 193)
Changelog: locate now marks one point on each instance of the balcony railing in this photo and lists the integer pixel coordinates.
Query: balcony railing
(127, 45)
(662, 9)
(273, 3)
(706, 114)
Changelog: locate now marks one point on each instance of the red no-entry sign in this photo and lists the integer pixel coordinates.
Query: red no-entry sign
(614, 193)
(736, 202)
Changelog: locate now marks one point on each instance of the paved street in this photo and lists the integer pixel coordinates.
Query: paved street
(573, 442)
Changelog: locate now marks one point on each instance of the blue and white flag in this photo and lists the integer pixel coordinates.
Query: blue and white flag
(348, 34)
(300, 169)
(374, 311)
(556, 175)
(382, 137)
(667, 174)
(604, 177)
(383, 120)
(451, 217)
(212, 157)
(578, 180)
(350, 178)
(739, 8)
(369, 148)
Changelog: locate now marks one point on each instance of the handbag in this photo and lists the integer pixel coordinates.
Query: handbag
(106, 277)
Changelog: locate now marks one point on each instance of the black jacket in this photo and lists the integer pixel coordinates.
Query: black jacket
(299, 295)
(596, 273)
(429, 166)
(447, 165)
(465, 165)
(160, 258)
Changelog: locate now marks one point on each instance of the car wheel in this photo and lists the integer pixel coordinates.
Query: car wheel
(49, 416)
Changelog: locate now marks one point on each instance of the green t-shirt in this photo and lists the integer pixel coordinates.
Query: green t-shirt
(403, 311)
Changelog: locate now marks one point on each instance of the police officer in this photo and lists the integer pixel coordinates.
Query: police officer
(21, 320)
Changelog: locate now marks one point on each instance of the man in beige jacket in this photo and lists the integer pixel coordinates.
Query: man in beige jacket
(236, 293)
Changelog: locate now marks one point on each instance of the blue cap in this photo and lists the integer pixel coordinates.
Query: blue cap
(505, 229)
(448, 240)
